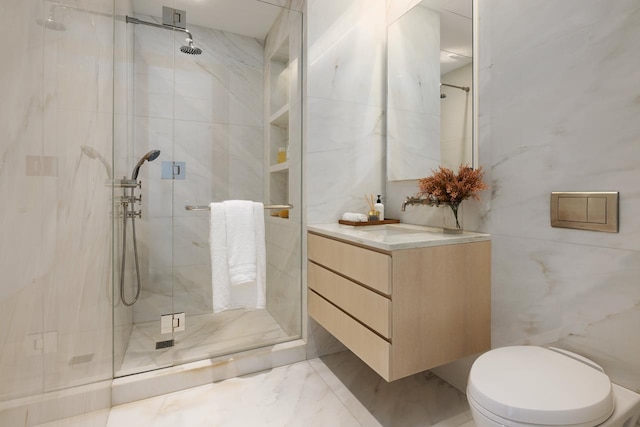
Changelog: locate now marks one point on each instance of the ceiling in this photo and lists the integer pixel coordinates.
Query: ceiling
(251, 18)
(254, 18)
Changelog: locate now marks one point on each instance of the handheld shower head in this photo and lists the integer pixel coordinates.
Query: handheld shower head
(150, 156)
(91, 153)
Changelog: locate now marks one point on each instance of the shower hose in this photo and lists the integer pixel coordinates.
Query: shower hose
(124, 251)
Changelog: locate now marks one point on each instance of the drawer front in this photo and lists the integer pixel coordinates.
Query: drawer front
(362, 265)
(370, 308)
(369, 347)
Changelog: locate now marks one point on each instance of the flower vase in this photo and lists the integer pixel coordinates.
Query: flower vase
(452, 218)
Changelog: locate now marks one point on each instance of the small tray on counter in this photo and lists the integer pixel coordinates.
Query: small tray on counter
(360, 224)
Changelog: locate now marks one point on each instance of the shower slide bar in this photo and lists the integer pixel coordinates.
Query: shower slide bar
(206, 208)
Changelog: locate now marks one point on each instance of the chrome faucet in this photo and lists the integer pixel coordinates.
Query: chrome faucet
(412, 200)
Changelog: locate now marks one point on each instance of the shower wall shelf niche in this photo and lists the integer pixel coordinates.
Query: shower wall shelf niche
(277, 106)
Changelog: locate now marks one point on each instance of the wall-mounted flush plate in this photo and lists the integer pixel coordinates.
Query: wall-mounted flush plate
(596, 211)
(173, 170)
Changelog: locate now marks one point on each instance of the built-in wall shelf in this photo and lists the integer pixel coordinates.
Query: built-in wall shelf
(280, 167)
(281, 117)
(278, 69)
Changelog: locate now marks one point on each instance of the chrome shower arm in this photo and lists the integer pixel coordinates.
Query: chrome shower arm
(131, 20)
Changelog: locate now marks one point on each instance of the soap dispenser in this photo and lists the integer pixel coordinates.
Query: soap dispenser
(380, 208)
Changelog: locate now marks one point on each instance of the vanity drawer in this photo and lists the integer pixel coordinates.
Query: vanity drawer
(370, 308)
(362, 265)
(368, 346)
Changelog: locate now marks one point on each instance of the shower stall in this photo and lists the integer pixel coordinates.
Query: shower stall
(215, 90)
(111, 127)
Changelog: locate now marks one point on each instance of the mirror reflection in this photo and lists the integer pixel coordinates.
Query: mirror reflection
(430, 90)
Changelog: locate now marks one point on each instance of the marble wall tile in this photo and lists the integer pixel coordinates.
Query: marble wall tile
(22, 215)
(297, 5)
(567, 126)
(344, 142)
(397, 8)
(344, 157)
(55, 252)
(347, 51)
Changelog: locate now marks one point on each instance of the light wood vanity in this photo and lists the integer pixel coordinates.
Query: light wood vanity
(403, 304)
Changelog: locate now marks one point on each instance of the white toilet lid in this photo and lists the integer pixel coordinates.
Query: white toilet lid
(539, 386)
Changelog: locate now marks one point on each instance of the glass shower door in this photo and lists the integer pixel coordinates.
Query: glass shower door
(219, 101)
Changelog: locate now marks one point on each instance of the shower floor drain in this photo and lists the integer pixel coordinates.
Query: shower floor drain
(164, 344)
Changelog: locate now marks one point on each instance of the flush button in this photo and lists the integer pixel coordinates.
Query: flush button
(597, 211)
(572, 209)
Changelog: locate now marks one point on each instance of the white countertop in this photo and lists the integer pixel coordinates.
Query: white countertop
(392, 237)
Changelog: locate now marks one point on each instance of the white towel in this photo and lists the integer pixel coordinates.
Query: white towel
(246, 293)
(354, 217)
(241, 240)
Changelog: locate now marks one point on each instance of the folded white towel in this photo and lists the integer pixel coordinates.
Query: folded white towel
(354, 217)
(246, 293)
(241, 240)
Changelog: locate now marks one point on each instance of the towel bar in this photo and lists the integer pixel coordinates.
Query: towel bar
(206, 208)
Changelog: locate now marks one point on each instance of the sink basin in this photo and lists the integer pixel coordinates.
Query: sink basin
(390, 230)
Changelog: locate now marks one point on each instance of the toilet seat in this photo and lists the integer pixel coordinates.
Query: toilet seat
(536, 386)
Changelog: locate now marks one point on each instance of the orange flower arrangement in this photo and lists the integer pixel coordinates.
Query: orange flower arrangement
(445, 187)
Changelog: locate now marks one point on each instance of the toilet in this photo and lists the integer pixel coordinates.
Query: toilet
(525, 386)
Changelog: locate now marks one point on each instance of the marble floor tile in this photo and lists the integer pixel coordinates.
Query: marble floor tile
(293, 395)
(206, 335)
(422, 399)
(335, 390)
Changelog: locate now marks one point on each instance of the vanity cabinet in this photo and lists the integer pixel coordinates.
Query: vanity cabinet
(402, 311)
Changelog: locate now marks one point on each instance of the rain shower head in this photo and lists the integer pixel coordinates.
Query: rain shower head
(191, 49)
(51, 22)
(150, 156)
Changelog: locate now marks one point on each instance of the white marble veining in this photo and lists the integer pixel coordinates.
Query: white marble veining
(344, 144)
(393, 237)
(55, 220)
(334, 390)
(291, 395)
(557, 114)
(205, 111)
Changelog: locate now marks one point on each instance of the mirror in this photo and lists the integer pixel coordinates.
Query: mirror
(430, 89)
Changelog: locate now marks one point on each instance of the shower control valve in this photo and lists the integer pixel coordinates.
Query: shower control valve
(134, 214)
